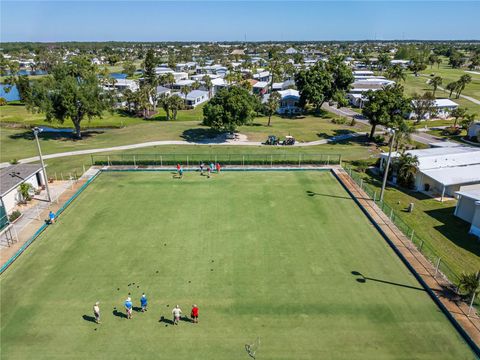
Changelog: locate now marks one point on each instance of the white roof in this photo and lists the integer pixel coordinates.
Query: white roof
(456, 175)
(261, 74)
(260, 84)
(444, 157)
(184, 82)
(445, 103)
(291, 51)
(363, 72)
(192, 95)
(289, 92)
(218, 81)
(472, 194)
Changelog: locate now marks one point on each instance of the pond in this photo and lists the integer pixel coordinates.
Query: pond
(12, 95)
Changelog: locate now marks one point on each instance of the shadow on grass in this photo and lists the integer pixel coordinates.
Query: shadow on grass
(60, 135)
(89, 318)
(363, 279)
(312, 194)
(165, 320)
(202, 134)
(119, 314)
(455, 229)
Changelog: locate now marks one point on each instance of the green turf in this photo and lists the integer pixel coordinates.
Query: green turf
(257, 253)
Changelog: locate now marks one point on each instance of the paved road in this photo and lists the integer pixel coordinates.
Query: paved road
(423, 138)
(179, 142)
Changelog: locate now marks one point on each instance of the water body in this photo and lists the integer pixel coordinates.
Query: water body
(12, 95)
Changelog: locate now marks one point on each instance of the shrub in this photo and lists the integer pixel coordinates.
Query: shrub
(14, 215)
(14, 162)
(379, 139)
(451, 131)
(24, 190)
(361, 165)
(3, 102)
(339, 121)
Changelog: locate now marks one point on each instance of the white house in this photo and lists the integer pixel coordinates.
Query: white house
(195, 97)
(260, 87)
(468, 209)
(123, 84)
(12, 177)
(444, 170)
(443, 108)
(262, 76)
(289, 102)
(291, 51)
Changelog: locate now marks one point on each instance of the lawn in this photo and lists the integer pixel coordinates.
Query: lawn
(263, 255)
(419, 85)
(19, 143)
(434, 222)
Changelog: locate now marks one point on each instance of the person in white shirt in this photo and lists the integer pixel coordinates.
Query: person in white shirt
(96, 312)
(177, 312)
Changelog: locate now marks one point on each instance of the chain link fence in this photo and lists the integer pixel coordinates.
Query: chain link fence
(428, 251)
(290, 159)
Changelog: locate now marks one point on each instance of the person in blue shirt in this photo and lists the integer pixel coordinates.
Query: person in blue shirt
(143, 302)
(128, 307)
(51, 216)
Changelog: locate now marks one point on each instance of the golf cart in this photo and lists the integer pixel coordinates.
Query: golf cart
(272, 140)
(289, 140)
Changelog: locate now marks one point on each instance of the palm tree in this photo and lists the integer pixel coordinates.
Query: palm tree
(464, 80)
(24, 190)
(435, 83)
(403, 135)
(468, 284)
(164, 102)
(452, 86)
(196, 85)
(185, 90)
(207, 80)
(438, 61)
(272, 105)
(175, 103)
(407, 166)
(396, 73)
(458, 113)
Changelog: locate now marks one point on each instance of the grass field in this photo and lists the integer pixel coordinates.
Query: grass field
(266, 255)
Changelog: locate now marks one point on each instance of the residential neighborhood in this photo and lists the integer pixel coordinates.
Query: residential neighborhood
(251, 180)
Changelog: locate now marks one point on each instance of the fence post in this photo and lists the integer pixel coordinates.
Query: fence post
(328, 159)
(161, 161)
(108, 160)
(271, 160)
(340, 159)
(391, 214)
(471, 304)
(361, 184)
(436, 267)
(375, 196)
(56, 179)
(243, 161)
(421, 246)
(61, 175)
(187, 161)
(299, 159)
(411, 236)
(83, 168)
(134, 161)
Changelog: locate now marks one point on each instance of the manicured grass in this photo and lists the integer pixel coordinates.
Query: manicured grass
(419, 85)
(434, 222)
(258, 254)
(348, 150)
(19, 143)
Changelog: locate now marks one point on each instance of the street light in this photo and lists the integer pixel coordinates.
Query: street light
(385, 175)
(36, 130)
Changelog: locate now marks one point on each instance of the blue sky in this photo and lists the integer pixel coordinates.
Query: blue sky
(232, 20)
